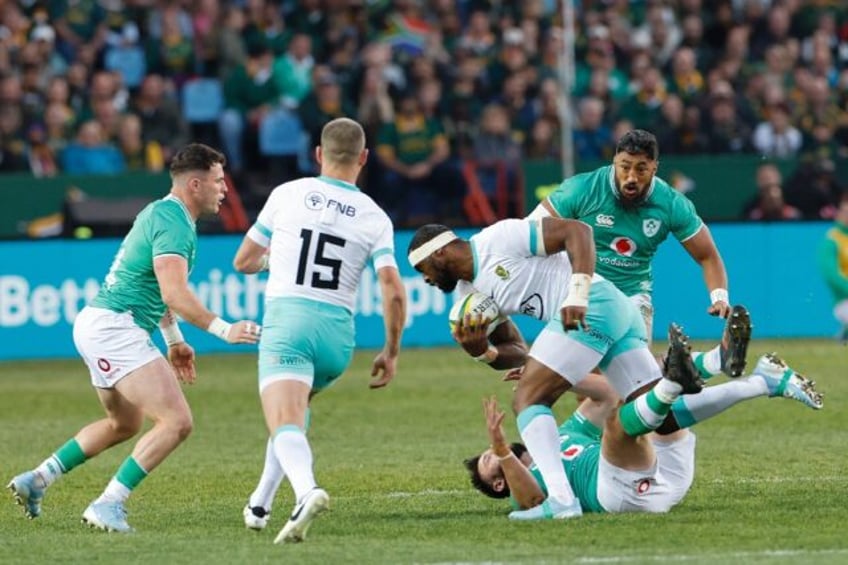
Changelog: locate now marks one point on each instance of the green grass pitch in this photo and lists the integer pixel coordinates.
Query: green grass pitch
(771, 484)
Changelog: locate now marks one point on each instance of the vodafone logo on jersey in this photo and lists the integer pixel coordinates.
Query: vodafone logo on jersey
(624, 246)
(571, 452)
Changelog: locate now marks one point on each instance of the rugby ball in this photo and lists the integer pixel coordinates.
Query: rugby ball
(475, 303)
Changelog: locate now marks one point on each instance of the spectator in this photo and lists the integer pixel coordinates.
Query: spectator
(293, 71)
(231, 47)
(543, 141)
(138, 155)
(421, 186)
(686, 80)
(249, 93)
(831, 257)
(172, 54)
(592, 137)
(497, 156)
(162, 121)
(643, 106)
(323, 104)
(91, 153)
(771, 207)
(815, 190)
(13, 157)
(42, 159)
(777, 137)
(78, 25)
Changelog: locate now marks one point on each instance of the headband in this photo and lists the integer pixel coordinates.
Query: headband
(429, 247)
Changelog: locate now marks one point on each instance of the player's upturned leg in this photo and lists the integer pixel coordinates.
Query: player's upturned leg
(784, 382)
(28, 487)
(648, 411)
(729, 356)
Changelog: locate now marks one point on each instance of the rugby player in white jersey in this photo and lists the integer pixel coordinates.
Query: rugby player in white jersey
(544, 269)
(147, 285)
(316, 235)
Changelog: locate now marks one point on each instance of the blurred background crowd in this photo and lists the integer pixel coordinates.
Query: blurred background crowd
(454, 94)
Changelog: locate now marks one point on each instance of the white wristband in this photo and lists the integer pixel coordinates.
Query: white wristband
(219, 328)
(578, 290)
(172, 334)
(719, 295)
(488, 356)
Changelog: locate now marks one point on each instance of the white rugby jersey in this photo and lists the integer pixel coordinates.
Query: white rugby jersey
(322, 232)
(510, 266)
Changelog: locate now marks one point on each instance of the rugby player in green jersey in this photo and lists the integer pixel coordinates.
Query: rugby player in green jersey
(146, 287)
(628, 467)
(632, 211)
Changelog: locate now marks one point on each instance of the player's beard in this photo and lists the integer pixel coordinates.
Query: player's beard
(631, 203)
(446, 283)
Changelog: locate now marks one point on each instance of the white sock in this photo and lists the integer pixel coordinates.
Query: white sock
(269, 482)
(667, 390)
(47, 473)
(693, 408)
(292, 450)
(710, 360)
(539, 432)
(115, 492)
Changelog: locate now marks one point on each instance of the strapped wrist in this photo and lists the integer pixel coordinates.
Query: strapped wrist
(172, 334)
(579, 286)
(219, 328)
(719, 295)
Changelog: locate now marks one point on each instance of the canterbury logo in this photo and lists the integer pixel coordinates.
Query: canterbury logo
(604, 220)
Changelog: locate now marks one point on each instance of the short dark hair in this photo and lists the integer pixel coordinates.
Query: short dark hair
(424, 234)
(639, 141)
(195, 157)
(477, 481)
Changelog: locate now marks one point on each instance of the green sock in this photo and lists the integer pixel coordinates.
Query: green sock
(644, 414)
(130, 473)
(70, 455)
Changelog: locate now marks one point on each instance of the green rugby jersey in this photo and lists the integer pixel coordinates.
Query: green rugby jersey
(163, 227)
(626, 239)
(580, 452)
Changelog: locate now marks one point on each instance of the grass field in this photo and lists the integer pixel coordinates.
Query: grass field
(771, 484)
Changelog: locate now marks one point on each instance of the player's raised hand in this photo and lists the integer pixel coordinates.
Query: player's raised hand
(494, 422)
(719, 308)
(244, 331)
(574, 317)
(383, 369)
(181, 357)
(471, 333)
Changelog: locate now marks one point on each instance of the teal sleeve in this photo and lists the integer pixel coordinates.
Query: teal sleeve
(170, 235)
(567, 200)
(685, 221)
(829, 265)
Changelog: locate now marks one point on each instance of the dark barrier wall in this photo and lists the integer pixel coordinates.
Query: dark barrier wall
(43, 284)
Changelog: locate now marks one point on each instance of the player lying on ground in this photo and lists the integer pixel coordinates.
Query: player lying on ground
(628, 467)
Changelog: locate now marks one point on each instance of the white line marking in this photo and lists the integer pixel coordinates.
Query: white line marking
(715, 557)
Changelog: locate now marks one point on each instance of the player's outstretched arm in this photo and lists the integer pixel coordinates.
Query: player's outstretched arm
(251, 257)
(394, 318)
(172, 274)
(703, 249)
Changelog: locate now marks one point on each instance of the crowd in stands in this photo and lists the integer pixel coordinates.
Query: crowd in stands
(453, 94)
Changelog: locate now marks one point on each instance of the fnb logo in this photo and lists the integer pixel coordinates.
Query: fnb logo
(604, 220)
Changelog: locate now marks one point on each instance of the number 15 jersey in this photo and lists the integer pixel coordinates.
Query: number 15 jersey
(322, 232)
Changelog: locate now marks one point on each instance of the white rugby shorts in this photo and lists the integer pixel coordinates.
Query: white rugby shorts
(111, 344)
(654, 490)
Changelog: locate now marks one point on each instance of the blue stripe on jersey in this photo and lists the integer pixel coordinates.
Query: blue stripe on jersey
(339, 183)
(380, 252)
(533, 235)
(262, 229)
(475, 258)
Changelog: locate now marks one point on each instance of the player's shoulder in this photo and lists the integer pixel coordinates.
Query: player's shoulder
(168, 208)
(596, 180)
